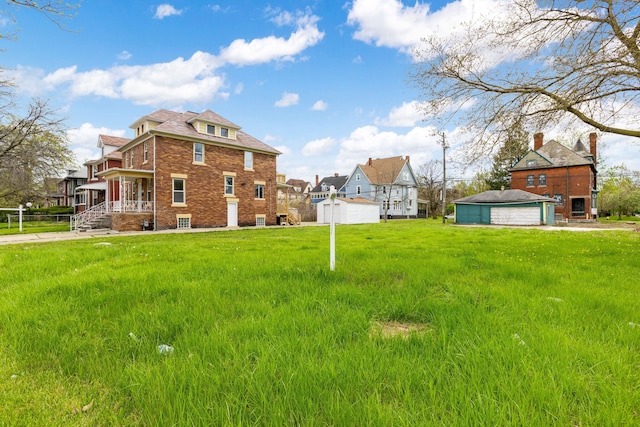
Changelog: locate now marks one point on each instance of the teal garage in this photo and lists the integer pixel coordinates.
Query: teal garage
(505, 207)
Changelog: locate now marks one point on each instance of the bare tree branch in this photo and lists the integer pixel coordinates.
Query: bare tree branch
(539, 63)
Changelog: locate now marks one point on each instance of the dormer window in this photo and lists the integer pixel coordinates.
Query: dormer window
(211, 129)
(224, 132)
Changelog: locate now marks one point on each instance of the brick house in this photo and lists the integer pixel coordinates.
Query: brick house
(93, 192)
(567, 175)
(184, 170)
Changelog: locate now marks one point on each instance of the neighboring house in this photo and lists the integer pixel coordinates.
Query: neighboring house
(95, 190)
(390, 182)
(184, 170)
(66, 194)
(321, 190)
(568, 176)
(300, 189)
(505, 207)
(349, 211)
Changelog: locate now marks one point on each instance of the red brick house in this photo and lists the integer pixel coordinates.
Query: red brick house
(567, 175)
(93, 192)
(184, 170)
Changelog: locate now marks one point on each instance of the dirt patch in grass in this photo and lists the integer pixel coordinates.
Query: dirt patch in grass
(391, 329)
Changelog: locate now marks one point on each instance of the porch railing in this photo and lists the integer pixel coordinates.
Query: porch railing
(130, 206)
(87, 215)
(99, 210)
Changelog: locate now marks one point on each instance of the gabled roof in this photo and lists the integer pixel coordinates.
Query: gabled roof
(557, 155)
(503, 196)
(337, 181)
(384, 171)
(298, 183)
(114, 141)
(210, 116)
(180, 125)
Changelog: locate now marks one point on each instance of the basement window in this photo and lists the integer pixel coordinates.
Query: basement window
(184, 222)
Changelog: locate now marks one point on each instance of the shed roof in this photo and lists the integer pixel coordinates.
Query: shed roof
(503, 196)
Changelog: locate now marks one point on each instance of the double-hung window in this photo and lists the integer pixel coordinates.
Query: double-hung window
(146, 151)
(198, 152)
(228, 185)
(530, 180)
(248, 160)
(542, 179)
(178, 191)
(259, 191)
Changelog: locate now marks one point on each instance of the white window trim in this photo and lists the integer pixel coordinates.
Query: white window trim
(198, 162)
(248, 155)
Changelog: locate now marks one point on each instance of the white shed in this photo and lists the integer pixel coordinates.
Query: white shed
(349, 211)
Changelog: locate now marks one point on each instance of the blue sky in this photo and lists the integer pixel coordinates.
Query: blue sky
(325, 82)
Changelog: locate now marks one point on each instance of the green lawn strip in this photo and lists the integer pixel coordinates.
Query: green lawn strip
(497, 326)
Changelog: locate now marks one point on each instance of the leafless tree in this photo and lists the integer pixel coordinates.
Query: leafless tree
(429, 177)
(55, 10)
(538, 62)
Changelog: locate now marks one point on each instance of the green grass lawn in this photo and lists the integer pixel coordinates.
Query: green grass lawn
(33, 227)
(420, 324)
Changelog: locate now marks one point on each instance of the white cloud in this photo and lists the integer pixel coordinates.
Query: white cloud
(320, 105)
(124, 55)
(84, 141)
(257, 51)
(239, 88)
(389, 23)
(288, 99)
(166, 10)
(420, 143)
(318, 147)
(407, 115)
(177, 82)
(285, 150)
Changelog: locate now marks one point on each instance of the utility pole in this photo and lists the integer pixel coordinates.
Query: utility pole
(444, 178)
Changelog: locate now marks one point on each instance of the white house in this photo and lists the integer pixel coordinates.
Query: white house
(390, 182)
(349, 211)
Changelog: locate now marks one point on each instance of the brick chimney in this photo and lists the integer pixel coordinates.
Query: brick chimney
(538, 140)
(317, 182)
(370, 161)
(593, 149)
(336, 174)
(407, 157)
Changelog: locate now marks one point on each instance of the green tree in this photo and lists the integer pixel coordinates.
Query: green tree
(33, 144)
(620, 193)
(515, 146)
(540, 62)
(33, 147)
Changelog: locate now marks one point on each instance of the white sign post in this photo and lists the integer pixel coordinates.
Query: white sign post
(332, 232)
(20, 217)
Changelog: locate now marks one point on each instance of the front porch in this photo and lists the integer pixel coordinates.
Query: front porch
(127, 198)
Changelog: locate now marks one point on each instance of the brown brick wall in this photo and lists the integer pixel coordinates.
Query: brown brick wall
(572, 182)
(129, 221)
(204, 184)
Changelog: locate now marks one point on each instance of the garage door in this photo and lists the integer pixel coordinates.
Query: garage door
(515, 216)
(336, 214)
